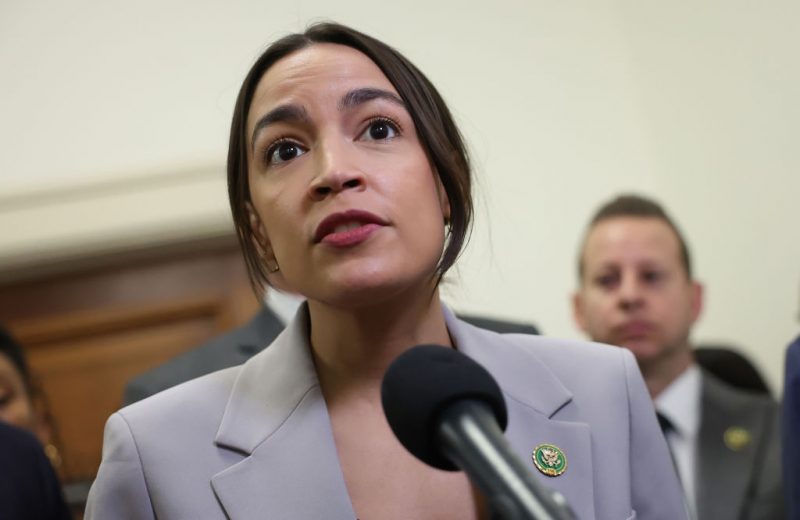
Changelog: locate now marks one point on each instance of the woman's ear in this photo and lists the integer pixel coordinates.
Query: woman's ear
(444, 200)
(261, 239)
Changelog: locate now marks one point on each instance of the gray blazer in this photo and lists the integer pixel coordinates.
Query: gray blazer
(741, 484)
(255, 441)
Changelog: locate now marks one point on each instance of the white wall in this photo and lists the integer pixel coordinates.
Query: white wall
(563, 103)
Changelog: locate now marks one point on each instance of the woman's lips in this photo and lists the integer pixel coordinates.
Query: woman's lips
(350, 237)
(347, 228)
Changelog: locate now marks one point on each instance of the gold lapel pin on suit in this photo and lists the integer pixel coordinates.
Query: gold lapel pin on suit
(736, 438)
(549, 459)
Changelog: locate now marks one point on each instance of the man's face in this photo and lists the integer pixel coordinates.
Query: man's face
(635, 291)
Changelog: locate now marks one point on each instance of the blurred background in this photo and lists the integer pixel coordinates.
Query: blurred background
(117, 252)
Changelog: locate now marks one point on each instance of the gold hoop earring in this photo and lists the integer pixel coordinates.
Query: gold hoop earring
(272, 264)
(53, 455)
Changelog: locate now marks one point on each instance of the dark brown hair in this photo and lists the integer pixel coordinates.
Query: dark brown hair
(438, 134)
(11, 348)
(635, 206)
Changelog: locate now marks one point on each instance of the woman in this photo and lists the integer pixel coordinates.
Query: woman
(349, 184)
(29, 487)
(21, 405)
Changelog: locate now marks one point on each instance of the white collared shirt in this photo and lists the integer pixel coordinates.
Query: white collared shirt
(284, 305)
(680, 404)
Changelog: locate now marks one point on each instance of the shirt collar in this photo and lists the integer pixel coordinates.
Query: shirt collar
(680, 402)
(284, 305)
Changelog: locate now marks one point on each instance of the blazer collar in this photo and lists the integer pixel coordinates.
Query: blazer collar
(269, 387)
(276, 416)
(521, 369)
(258, 333)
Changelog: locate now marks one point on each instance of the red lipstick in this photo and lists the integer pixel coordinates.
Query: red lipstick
(347, 228)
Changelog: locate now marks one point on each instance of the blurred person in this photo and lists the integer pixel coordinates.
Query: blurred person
(636, 290)
(21, 404)
(791, 430)
(350, 184)
(29, 487)
(226, 350)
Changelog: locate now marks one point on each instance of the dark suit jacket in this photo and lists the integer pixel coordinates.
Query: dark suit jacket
(228, 350)
(791, 431)
(239, 345)
(744, 482)
(29, 488)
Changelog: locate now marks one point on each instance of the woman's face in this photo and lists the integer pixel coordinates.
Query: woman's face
(15, 403)
(343, 195)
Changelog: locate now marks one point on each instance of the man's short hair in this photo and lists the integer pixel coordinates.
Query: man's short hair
(635, 206)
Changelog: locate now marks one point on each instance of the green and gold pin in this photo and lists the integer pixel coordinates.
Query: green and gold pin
(736, 438)
(550, 460)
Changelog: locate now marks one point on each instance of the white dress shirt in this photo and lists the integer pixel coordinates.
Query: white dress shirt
(284, 305)
(680, 404)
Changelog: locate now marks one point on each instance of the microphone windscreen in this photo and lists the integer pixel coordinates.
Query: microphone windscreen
(421, 383)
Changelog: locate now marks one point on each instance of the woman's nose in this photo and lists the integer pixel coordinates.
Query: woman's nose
(338, 170)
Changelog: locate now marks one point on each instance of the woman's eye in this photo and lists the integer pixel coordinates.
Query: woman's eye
(379, 129)
(284, 151)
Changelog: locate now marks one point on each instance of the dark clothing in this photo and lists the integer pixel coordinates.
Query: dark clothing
(791, 431)
(29, 488)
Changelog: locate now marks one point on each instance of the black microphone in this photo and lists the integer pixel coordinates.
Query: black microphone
(449, 412)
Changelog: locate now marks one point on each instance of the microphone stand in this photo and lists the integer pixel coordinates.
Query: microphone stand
(471, 438)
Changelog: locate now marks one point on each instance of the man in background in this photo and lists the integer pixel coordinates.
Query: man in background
(636, 290)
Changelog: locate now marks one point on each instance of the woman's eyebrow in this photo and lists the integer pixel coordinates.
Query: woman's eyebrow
(282, 113)
(362, 95)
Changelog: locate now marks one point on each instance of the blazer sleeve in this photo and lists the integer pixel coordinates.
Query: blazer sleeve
(655, 489)
(119, 491)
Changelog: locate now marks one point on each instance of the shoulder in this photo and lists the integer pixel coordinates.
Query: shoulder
(183, 409)
(226, 350)
(19, 440)
(566, 357)
(29, 487)
(719, 393)
(525, 364)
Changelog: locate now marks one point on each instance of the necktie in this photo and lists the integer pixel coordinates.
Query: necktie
(667, 427)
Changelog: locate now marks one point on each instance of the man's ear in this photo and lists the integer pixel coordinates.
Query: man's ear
(696, 300)
(577, 310)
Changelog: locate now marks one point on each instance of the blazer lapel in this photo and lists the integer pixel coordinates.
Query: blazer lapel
(539, 410)
(277, 419)
(259, 332)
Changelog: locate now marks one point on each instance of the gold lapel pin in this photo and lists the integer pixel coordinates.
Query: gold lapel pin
(736, 438)
(549, 459)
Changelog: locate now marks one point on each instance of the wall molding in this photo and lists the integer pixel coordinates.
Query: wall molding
(47, 226)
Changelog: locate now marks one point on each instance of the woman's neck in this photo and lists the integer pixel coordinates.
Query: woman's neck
(353, 347)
